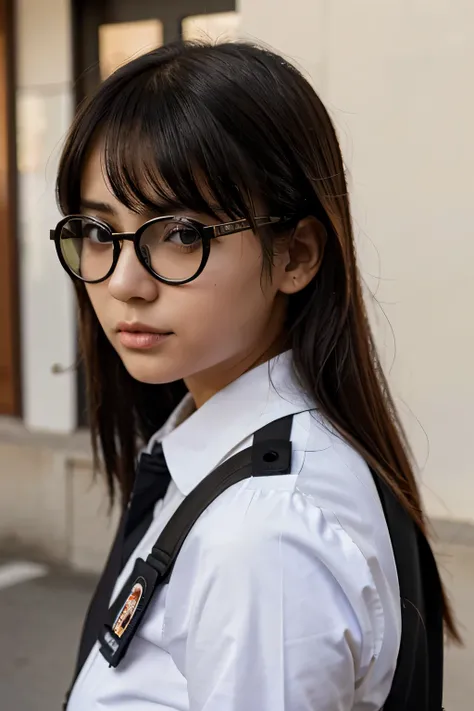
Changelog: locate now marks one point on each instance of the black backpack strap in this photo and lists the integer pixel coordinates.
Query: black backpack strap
(99, 604)
(151, 482)
(418, 680)
(269, 455)
(434, 623)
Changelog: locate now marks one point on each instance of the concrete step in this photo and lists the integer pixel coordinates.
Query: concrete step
(51, 505)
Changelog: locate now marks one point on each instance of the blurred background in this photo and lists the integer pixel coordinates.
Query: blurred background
(396, 76)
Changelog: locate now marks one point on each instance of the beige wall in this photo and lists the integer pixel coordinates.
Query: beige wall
(397, 78)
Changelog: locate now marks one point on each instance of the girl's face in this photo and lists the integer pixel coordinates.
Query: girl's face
(217, 326)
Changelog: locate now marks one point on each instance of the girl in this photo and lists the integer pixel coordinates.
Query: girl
(208, 235)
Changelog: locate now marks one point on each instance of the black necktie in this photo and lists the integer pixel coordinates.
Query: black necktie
(151, 482)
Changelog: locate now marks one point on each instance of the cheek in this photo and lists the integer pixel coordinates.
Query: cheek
(98, 295)
(231, 296)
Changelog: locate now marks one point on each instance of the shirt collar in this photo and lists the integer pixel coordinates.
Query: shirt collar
(195, 446)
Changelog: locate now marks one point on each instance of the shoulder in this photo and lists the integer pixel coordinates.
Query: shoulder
(333, 479)
(338, 481)
(329, 492)
(336, 478)
(326, 514)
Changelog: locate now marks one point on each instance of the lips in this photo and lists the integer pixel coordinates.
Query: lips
(139, 336)
(137, 327)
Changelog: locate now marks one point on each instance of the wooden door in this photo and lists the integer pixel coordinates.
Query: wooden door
(9, 317)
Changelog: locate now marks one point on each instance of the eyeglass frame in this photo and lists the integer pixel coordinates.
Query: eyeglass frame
(206, 232)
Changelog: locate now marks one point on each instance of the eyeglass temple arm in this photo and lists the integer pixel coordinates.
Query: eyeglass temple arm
(229, 228)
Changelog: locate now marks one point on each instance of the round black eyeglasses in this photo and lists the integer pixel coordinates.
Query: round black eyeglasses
(172, 249)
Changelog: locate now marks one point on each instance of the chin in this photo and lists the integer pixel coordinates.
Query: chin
(151, 369)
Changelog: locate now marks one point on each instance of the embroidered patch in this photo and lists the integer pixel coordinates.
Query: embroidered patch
(127, 612)
(129, 608)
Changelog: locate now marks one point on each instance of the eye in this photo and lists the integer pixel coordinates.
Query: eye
(183, 236)
(95, 233)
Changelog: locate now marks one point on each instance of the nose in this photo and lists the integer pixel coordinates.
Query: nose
(130, 280)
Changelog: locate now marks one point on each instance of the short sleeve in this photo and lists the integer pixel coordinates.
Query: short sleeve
(274, 609)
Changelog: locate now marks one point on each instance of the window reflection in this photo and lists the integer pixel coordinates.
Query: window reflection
(213, 27)
(122, 41)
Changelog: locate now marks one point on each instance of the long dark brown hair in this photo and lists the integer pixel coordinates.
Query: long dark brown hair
(250, 123)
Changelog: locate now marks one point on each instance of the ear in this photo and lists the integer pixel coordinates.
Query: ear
(304, 255)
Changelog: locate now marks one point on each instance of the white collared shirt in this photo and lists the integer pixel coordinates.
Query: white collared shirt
(284, 596)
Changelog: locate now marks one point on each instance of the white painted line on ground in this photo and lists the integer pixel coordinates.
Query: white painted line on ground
(20, 571)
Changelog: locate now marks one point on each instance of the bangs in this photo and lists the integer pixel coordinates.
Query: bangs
(164, 150)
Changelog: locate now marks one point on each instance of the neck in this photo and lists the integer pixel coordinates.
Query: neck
(203, 386)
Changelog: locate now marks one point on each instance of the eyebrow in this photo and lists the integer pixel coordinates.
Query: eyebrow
(97, 206)
(163, 207)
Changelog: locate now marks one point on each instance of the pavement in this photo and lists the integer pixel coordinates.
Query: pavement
(42, 611)
(39, 630)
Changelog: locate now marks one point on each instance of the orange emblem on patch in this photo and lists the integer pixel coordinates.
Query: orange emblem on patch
(128, 610)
